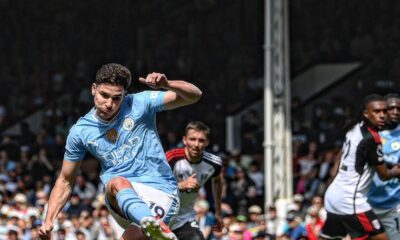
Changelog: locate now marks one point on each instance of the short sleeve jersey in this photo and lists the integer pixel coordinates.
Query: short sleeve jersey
(209, 166)
(386, 194)
(348, 192)
(128, 146)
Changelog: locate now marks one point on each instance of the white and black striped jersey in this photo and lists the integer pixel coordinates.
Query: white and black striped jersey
(348, 192)
(209, 166)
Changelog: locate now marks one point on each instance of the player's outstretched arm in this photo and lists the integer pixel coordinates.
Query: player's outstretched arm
(180, 93)
(59, 196)
(385, 174)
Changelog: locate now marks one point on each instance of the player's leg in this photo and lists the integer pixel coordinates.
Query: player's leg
(381, 236)
(137, 204)
(333, 228)
(390, 219)
(189, 231)
(115, 203)
(162, 205)
(125, 201)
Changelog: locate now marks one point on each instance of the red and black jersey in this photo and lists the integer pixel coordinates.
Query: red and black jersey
(209, 166)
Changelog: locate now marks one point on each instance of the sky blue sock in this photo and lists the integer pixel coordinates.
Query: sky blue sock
(132, 207)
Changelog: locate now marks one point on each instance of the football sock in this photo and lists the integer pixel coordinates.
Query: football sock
(132, 207)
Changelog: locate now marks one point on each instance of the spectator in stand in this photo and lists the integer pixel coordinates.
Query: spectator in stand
(106, 231)
(315, 223)
(10, 146)
(235, 232)
(242, 221)
(272, 221)
(13, 235)
(24, 156)
(257, 176)
(205, 219)
(243, 189)
(294, 228)
(75, 205)
(85, 189)
(6, 164)
(40, 165)
(88, 225)
(62, 220)
(317, 202)
(80, 235)
(306, 164)
(328, 158)
(298, 206)
(312, 184)
(254, 213)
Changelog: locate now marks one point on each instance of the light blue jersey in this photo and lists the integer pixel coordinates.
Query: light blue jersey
(386, 194)
(128, 146)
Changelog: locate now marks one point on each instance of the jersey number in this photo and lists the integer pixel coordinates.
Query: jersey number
(157, 210)
(346, 149)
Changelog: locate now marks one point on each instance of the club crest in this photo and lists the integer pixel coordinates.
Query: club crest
(128, 124)
(395, 146)
(112, 135)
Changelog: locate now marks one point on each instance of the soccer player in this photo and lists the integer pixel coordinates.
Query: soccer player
(384, 196)
(120, 131)
(193, 167)
(348, 211)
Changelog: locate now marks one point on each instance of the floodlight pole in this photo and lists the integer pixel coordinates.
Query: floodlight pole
(277, 125)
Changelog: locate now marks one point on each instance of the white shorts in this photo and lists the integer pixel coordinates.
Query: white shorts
(160, 203)
(390, 219)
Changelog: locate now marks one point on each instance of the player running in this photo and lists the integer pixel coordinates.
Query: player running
(193, 167)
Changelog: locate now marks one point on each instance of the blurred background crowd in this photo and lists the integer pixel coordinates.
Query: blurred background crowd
(50, 53)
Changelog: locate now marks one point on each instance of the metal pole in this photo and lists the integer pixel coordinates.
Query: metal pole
(288, 124)
(267, 110)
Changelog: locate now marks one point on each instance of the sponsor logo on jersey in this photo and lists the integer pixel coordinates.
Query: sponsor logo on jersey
(128, 124)
(112, 135)
(125, 152)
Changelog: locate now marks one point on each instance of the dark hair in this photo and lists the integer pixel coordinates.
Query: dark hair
(198, 126)
(114, 74)
(360, 116)
(392, 95)
(370, 98)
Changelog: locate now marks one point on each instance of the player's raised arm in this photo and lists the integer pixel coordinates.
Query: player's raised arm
(59, 196)
(180, 93)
